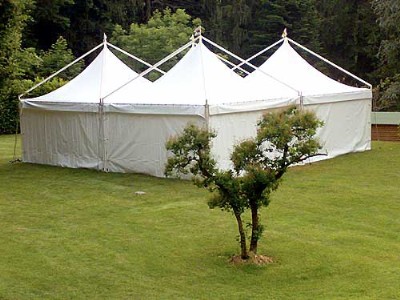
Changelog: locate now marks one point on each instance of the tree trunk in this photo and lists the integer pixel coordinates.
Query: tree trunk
(255, 235)
(243, 246)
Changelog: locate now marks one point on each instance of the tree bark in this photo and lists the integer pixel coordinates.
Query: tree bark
(243, 246)
(254, 228)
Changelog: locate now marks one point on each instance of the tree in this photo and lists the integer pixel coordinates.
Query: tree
(349, 37)
(388, 12)
(268, 20)
(49, 20)
(58, 56)
(13, 18)
(161, 35)
(283, 139)
(90, 19)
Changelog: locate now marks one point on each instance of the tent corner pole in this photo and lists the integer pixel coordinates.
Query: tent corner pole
(17, 123)
(207, 115)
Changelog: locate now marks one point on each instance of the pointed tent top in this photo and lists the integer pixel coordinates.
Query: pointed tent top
(284, 33)
(192, 39)
(198, 77)
(197, 31)
(105, 73)
(287, 65)
(104, 38)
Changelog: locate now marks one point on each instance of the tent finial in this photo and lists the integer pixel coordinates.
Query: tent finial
(197, 31)
(284, 33)
(192, 39)
(104, 38)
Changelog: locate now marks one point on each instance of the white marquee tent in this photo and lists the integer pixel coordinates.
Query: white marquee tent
(200, 89)
(344, 109)
(64, 127)
(123, 122)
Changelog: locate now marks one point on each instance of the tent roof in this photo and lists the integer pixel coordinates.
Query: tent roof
(105, 74)
(198, 77)
(288, 66)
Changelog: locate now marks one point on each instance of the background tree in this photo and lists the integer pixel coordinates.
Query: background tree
(49, 19)
(388, 12)
(13, 18)
(350, 37)
(161, 35)
(271, 17)
(283, 138)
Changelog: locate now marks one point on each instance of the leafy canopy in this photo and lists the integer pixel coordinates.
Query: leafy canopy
(284, 138)
(160, 36)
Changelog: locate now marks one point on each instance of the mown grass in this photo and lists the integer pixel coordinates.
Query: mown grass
(332, 229)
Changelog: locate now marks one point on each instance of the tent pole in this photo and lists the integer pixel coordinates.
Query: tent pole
(207, 115)
(134, 57)
(206, 106)
(59, 71)
(102, 139)
(249, 64)
(257, 54)
(301, 100)
(331, 63)
(176, 52)
(15, 159)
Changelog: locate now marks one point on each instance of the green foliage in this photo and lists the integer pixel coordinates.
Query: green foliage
(63, 237)
(28, 69)
(13, 18)
(191, 153)
(283, 138)
(58, 56)
(350, 37)
(388, 12)
(49, 20)
(161, 35)
(271, 17)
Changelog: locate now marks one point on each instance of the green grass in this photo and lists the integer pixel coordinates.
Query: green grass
(333, 229)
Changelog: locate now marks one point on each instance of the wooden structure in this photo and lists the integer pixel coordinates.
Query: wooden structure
(385, 126)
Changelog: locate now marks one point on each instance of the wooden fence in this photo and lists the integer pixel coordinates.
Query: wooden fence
(385, 126)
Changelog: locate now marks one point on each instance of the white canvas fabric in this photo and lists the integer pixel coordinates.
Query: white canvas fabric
(200, 78)
(288, 66)
(105, 74)
(345, 110)
(61, 138)
(67, 127)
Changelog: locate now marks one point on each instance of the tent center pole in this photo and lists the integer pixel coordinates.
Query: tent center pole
(207, 115)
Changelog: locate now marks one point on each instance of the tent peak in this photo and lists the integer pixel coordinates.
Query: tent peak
(284, 33)
(197, 31)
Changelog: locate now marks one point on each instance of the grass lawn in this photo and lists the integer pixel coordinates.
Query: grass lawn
(333, 229)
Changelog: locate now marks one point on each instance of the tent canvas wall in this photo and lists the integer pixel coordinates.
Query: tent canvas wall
(199, 89)
(344, 109)
(136, 121)
(64, 127)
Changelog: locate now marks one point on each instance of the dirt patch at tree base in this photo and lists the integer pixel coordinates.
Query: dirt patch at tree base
(253, 259)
